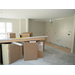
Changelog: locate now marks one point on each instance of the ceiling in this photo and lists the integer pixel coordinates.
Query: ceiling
(38, 14)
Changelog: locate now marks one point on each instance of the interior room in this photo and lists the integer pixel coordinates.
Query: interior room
(37, 36)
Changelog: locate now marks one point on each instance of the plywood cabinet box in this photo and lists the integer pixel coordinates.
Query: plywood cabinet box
(30, 51)
(26, 34)
(33, 51)
(11, 53)
(40, 49)
(11, 35)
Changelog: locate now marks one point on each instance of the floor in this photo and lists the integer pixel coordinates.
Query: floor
(58, 47)
(52, 56)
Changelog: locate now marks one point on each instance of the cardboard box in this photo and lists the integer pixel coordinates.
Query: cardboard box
(40, 49)
(26, 34)
(30, 51)
(11, 53)
(11, 35)
(23, 46)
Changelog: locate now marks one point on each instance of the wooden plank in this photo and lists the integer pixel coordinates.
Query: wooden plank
(58, 47)
(5, 54)
(21, 40)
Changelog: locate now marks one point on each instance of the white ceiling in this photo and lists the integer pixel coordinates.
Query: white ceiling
(43, 14)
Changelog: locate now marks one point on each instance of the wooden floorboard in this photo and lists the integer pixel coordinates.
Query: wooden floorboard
(58, 47)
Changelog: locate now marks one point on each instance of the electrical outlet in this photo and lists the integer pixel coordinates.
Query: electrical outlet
(68, 34)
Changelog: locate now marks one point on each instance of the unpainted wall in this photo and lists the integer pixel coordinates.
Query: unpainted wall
(60, 32)
(37, 27)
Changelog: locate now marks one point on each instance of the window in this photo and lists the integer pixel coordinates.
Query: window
(4, 29)
(9, 27)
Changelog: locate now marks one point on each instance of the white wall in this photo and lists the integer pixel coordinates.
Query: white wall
(37, 27)
(58, 31)
(27, 25)
(15, 25)
(23, 25)
(18, 25)
(73, 37)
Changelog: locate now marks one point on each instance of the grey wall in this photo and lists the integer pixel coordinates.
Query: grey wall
(37, 27)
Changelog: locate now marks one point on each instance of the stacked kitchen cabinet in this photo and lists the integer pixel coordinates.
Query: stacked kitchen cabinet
(11, 35)
(26, 34)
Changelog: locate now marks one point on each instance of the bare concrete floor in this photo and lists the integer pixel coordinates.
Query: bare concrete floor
(51, 56)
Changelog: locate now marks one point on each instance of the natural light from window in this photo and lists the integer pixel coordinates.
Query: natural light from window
(5, 27)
